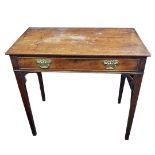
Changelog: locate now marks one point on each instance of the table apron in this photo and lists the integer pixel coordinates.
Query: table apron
(106, 65)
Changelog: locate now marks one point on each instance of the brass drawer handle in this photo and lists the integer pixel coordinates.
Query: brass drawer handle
(43, 63)
(110, 64)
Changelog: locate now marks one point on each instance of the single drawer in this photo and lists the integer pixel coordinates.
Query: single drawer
(78, 64)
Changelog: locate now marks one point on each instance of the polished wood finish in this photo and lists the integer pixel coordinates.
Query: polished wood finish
(76, 64)
(79, 42)
(83, 50)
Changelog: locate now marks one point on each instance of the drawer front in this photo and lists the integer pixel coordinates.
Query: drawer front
(78, 64)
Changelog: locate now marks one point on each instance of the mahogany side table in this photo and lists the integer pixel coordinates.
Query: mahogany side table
(106, 50)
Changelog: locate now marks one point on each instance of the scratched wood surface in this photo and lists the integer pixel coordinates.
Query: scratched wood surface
(79, 42)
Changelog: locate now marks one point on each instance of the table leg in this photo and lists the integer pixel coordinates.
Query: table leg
(41, 85)
(137, 79)
(20, 77)
(122, 82)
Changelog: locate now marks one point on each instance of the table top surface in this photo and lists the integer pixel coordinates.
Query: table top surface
(79, 42)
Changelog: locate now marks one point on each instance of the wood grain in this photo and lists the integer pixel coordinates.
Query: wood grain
(74, 64)
(79, 42)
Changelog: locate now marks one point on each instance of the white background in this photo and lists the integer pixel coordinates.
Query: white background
(80, 115)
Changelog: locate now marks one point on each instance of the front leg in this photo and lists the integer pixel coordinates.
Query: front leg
(137, 79)
(20, 77)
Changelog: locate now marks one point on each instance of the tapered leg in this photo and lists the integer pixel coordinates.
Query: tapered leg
(122, 82)
(20, 77)
(137, 79)
(41, 85)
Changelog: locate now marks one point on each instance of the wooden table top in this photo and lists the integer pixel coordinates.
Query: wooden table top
(79, 42)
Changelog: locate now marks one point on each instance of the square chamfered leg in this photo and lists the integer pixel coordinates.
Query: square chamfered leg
(122, 82)
(20, 77)
(39, 74)
(137, 79)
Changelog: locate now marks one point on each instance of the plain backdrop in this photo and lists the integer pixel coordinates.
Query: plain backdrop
(80, 115)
